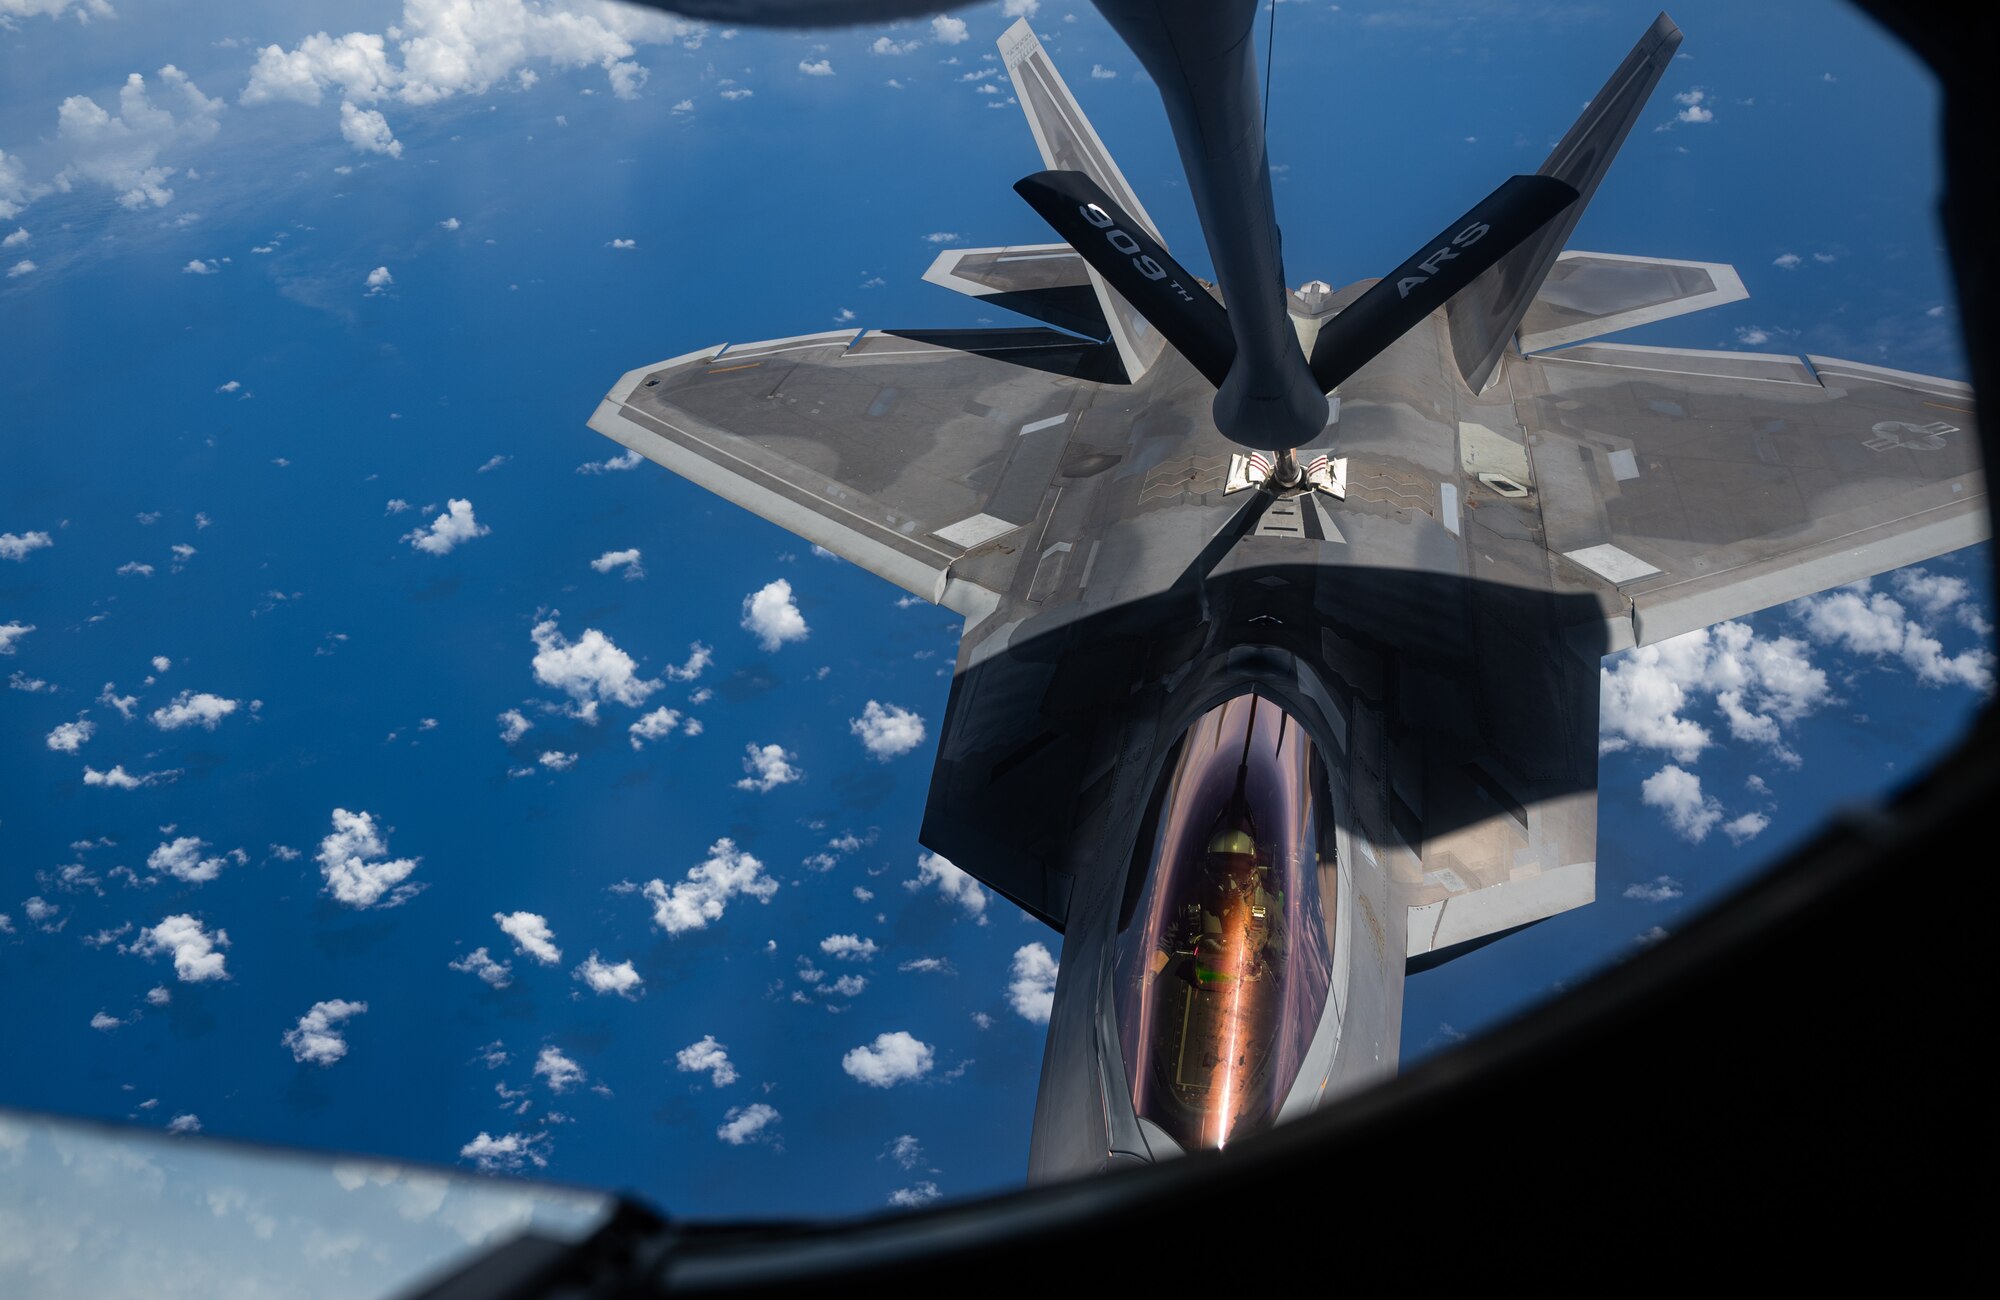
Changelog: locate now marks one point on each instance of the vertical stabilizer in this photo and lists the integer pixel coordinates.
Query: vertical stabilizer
(1069, 143)
(1486, 314)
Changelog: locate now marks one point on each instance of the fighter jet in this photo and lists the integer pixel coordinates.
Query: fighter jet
(1284, 609)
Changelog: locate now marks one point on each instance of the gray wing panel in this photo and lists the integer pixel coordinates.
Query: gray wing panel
(1587, 295)
(1707, 485)
(906, 458)
(1015, 268)
(1046, 281)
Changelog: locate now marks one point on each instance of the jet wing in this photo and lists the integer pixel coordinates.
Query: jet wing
(915, 460)
(1707, 485)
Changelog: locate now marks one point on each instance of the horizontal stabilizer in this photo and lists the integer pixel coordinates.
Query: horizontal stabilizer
(1134, 263)
(1499, 223)
(1589, 295)
(1485, 316)
(1046, 281)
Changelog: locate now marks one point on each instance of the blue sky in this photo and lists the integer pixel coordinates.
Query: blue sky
(202, 353)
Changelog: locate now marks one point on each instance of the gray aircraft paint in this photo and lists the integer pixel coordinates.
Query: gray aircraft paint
(1438, 632)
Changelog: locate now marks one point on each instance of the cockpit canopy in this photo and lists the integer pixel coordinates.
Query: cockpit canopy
(1225, 961)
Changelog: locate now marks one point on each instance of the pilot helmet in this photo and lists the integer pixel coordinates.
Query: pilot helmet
(1232, 841)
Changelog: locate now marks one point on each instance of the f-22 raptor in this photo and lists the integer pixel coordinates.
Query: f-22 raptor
(1284, 608)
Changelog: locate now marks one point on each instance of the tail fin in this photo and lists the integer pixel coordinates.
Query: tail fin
(1069, 143)
(1485, 316)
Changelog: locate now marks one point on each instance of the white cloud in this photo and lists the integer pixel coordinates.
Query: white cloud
(891, 1059)
(919, 1194)
(185, 1123)
(68, 737)
(905, 1150)
(608, 977)
(709, 1057)
(26, 266)
(134, 569)
(1661, 889)
(16, 546)
(480, 962)
(449, 47)
(351, 877)
(13, 10)
(623, 461)
(1934, 593)
(158, 996)
(770, 614)
(1752, 336)
(1099, 72)
(1749, 826)
(769, 766)
(703, 896)
(1874, 623)
(449, 223)
(1033, 990)
(448, 530)
(124, 151)
(557, 761)
(1789, 261)
(1694, 106)
(849, 947)
(1759, 684)
(557, 1070)
(887, 731)
(509, 1154)
(657, 725)
(739, 92)
(196, 266)
(194, 949)
(182, 859)
(628, 560)
(193, 709)
(817, 67)
(627, 79)
(589, 670)
(699, 658)
(316, 1039)
(948, 30)
(624, 245)
(750, 1123)
(951, 883)
(513, 726)
(1676, 792)
(943, 237)
(119, 779)
(531, 936)
(889, 45)
(11, 634)
(105, 1022)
